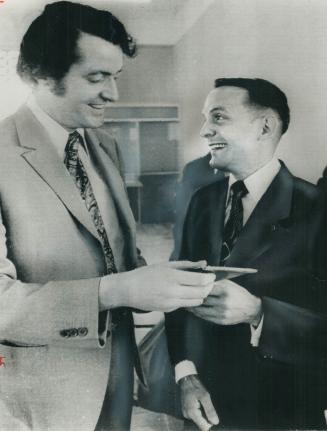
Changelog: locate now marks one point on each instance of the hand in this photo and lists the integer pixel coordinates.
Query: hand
(163, 287)
(194, 396)
(229, 304)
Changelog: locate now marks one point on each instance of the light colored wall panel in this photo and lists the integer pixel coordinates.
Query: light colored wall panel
(149, 77)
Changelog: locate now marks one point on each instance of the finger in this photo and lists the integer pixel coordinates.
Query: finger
(191, 292)
(189, 278)
(198, 311)
(218, 289)
(209, 409)
(197, 417)
(186, 264)
(186, 303)
(208, 289)
(227, 283)
(205, 312)
(214, 301)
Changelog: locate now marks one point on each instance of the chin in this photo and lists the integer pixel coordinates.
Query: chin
(218, 164)
(214, 163)
(94, 123)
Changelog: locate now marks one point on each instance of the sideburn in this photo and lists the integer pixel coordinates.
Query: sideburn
(59, 88)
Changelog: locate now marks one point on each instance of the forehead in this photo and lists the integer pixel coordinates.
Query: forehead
(98, 54)
(226, 98)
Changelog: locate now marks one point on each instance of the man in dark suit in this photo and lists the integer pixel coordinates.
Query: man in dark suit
(252, 355)
(69, 268)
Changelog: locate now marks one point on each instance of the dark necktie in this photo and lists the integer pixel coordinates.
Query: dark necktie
(234, 223)
(77, 171)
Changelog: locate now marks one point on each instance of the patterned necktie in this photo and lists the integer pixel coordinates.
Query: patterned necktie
(234, 223)
(77, 171)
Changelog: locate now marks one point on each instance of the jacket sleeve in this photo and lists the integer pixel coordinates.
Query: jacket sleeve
(295, 331)
(293, 334)
(57, 312)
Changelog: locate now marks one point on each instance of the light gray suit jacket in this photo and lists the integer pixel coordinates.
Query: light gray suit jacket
(56, 367)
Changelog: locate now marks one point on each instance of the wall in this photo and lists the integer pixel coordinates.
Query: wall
(284, 41)
(149, 77)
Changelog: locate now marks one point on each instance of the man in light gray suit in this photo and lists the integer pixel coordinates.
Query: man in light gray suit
(69, 268)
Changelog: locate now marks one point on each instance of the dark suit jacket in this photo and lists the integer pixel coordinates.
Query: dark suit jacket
(196, 174)
(278, 383)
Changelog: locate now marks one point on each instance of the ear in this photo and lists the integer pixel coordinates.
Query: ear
(270, 125)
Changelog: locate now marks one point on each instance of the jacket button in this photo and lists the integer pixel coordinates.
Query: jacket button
(64, 333)
(73, 332)
(82, 332)
(267, 356)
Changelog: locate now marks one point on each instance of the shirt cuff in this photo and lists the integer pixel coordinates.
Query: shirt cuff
(256, 333)
(184, 369)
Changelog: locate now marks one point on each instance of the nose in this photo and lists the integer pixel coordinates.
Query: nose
(207, 131)
(110, 91)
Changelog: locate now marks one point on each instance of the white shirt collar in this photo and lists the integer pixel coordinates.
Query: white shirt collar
(258, 182)
(58, 135)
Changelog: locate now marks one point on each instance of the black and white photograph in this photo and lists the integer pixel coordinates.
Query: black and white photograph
(163, 215)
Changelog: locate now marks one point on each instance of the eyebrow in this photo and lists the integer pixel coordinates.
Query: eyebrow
(94, 72)
(216, 108)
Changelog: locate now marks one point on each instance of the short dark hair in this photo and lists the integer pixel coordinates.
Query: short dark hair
(48, 48)
(261, 93)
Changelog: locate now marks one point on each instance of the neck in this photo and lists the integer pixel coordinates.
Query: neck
(49, 108)
(247, 171)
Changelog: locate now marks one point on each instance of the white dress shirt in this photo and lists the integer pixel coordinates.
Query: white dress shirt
(256, 184)
(57, 134)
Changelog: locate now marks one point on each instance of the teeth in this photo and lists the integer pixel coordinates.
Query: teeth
(216, 146)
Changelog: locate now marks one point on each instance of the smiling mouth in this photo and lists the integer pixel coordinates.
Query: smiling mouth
(217, 145)
(98, 107)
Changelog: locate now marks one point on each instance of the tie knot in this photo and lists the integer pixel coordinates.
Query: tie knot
(71, 149)
(239, 189)
(74, 140)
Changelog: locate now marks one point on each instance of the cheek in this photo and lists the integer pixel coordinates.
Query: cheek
(224, 132)
(81, 92)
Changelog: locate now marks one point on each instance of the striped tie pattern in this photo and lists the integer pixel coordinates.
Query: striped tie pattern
(234, 223)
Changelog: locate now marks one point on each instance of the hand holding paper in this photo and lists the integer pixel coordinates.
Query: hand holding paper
(228, 304)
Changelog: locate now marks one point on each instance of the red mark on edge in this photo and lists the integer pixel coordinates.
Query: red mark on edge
(2, 361)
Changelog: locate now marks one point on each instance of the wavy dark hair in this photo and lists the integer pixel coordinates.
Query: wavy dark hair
(261, 93)
(48, 48)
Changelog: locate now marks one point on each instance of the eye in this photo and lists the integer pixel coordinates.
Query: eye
(217, 116)
(95, 77)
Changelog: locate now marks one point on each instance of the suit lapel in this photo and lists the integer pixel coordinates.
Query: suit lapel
(271, 213)
(100, 153)
(208, 228)
(41, 155)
